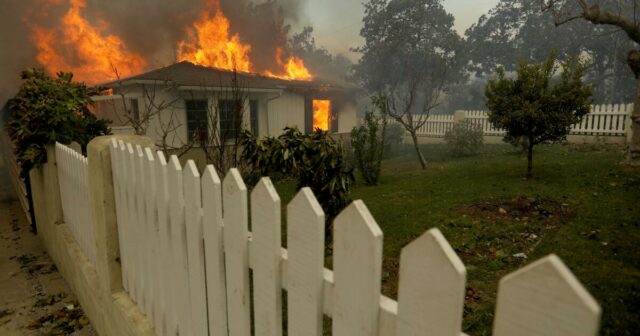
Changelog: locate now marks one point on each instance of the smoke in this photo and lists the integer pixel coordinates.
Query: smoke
(152, 28)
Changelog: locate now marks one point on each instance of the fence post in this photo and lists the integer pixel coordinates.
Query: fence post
(459, 116)
(104, 211)
(629, 122)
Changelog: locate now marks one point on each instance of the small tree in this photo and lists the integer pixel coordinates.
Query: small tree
(368, 143)
(536, 106)
(48, 109)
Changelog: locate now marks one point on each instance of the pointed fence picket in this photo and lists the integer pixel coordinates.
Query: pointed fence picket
(603, 120)
(188, 253)
(73, 176)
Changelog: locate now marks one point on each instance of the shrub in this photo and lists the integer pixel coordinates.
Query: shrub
(316, 160)
(464, 138)
(46, 110)
(368, 146)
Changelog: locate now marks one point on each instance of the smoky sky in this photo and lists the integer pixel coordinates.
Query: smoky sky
(152, 28)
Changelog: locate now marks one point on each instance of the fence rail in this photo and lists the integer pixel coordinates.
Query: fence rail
(73, 177)
(187, 253)
(603, 120)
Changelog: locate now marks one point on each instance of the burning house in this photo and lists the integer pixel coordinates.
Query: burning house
(217, 61)
(185, 95)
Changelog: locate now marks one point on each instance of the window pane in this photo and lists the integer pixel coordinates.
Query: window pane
(230, 118)
(197, 119)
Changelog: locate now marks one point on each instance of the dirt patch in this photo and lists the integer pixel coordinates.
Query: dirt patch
(520, 209)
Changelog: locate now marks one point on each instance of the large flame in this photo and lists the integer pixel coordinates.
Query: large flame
(321, 113)
(294, 68)
(209, 42)
(83, 49)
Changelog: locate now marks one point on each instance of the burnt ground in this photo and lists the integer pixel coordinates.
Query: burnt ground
(34, 298)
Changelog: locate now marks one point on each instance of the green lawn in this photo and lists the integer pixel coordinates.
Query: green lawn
(583, 205)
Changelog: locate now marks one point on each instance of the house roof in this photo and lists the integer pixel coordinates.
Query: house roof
(191, 75)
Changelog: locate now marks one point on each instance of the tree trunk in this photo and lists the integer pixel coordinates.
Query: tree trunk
(423, 162)
(530, 160)
(633, 156)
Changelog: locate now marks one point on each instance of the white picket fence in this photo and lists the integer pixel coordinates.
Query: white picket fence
(73, 177)
(603, 120)
(187, 252)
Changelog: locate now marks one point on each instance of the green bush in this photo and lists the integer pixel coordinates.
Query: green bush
(46, 110)
(367, 142)
(464, 138)
(316, 160)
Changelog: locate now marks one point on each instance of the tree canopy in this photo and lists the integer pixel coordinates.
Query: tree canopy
(536, 106)
(520, 29)
(49, 109)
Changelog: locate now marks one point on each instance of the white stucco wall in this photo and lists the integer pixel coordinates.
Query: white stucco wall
(286, 110)
(347, 118)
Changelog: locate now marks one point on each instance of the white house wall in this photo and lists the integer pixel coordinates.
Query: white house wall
(287, 110)
(347, 118)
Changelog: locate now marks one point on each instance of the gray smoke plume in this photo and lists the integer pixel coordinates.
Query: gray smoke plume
(152, 28)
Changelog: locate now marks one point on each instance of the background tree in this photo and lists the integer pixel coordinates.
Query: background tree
(318, 59)
(516, 29)
(622, 15)
(535, 106)
(367, 141)
(411, 54)
(46, 110)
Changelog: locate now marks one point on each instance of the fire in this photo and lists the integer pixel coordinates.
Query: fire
(208, 42)
(83, 49)
(321, 113)
(294, 68)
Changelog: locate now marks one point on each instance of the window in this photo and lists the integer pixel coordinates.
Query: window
(253, 106)
(230, 118)
(197, 119)
(135, 110)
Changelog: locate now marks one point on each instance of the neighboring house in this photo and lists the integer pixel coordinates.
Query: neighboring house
(186, 95)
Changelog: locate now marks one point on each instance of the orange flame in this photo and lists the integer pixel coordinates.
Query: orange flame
(321, 112)
(294, 68)
(208, 42)
(83, 49)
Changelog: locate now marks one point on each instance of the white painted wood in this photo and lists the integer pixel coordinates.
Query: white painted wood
(148, 227)
(139, 228)
(234, 194)
(195, 248)
(545, 298)
(131, 214)
(431, 288)
(357, 267)
(75, 198)
(179, 246)
(305, 244)
(265, 228)
(166, 307)
(214, 252)
(116, 167)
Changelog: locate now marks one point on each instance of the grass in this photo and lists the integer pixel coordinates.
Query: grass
(590, 218)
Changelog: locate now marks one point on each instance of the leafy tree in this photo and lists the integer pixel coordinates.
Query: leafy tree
(622, 15)
(535, 106)
(516, 29)
(46, 110)
(367, 141)
(316, 160)
(411, 54)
